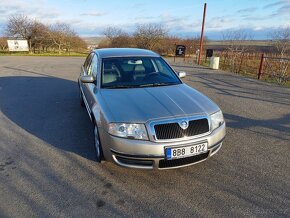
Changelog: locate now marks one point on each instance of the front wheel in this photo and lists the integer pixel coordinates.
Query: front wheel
(98, 147)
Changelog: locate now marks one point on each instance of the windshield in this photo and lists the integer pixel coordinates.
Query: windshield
(135, 72)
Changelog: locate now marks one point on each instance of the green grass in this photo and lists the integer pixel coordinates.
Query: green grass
(205, 64)
(52, 54)
(244, 42)
(271, 80)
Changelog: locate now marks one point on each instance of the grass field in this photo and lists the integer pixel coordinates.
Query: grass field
(53, 54)
(244, 43)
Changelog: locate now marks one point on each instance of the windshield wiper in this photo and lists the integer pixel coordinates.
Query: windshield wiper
(121, 86)
(139, 86)
(117, 87)
(157, 84)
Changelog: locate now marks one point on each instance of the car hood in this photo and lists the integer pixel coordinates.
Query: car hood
(139, 105)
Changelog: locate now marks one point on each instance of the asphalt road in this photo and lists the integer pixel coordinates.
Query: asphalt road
(47, 165)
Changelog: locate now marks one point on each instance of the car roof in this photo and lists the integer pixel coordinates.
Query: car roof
(124, 52)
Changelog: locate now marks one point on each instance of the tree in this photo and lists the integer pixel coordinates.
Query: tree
(41, 40)
(234, 41)
(3, 43)
(21, 26)
(113, 32)
(169, 43)
(61, 34)
(281, 40)
(35, 32)
(192, 44)
(78, 43)
(43, 37)
(117, 37)
(148, 36)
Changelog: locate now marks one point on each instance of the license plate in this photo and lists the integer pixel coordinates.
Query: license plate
(186, 151)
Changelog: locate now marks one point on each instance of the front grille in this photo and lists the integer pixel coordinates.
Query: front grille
(182, 161)
(174, 131)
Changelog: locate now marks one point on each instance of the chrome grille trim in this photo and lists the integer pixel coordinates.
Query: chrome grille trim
(177, 121)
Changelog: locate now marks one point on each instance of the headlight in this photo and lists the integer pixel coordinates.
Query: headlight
(217, 119)
(126, 130)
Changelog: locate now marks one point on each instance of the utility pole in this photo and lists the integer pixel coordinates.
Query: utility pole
(201, 36)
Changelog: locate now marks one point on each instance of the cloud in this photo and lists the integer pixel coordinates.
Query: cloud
(137, 5)
(146, 18)
(247, 10)
(220, 23)
(168, 18)
(170, 22)
(285, 9)
(177, 20)
(281, 11)
(256, 18)
(35, 9)
(94, 14)
(277, 3)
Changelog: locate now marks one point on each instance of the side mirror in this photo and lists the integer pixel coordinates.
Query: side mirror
(87, 79)
(182, 74)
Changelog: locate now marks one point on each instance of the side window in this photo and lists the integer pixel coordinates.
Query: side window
(88, 61)
(91, 66)
(95, 66)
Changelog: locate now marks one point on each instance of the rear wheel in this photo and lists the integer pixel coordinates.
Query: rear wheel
(98, 147)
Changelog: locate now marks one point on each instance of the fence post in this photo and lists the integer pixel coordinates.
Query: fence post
(261, 66)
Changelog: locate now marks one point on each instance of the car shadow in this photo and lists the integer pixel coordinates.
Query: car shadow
(247, 89)
(49, 108)
(279, 127)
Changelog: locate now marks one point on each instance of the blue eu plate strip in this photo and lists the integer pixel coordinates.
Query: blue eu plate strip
(168, 153)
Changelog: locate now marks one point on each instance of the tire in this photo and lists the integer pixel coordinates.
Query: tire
(98, 146)
(81, 99)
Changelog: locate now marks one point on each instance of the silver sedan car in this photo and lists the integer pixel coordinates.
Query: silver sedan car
(143, 115)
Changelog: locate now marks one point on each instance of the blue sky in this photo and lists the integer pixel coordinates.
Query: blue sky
(91, 17)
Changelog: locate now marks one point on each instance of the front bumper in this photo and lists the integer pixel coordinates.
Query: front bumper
(150, 155)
